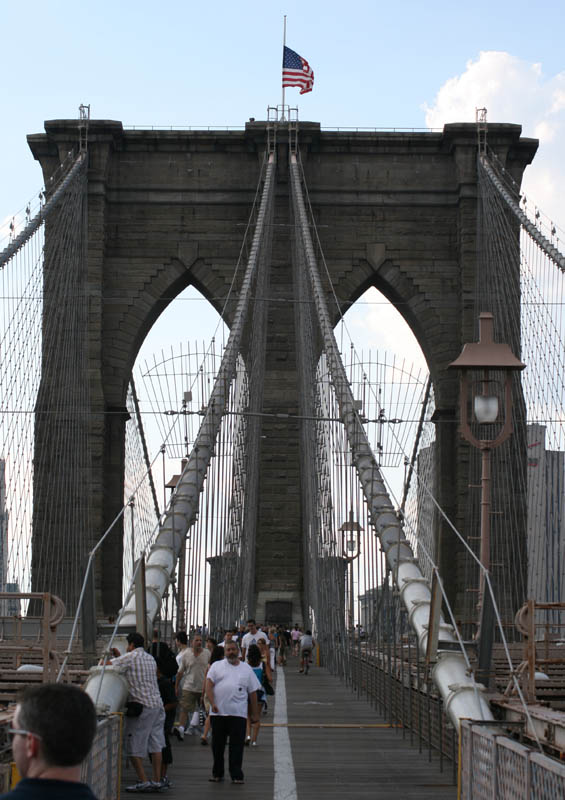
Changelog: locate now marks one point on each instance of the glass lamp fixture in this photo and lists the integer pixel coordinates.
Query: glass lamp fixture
(480, 359)
(352, 545)
(485, 408)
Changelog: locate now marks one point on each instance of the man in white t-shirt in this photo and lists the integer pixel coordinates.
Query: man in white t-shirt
(230, 684)
(251, 637)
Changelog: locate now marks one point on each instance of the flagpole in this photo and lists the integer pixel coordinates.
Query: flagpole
(284, 45)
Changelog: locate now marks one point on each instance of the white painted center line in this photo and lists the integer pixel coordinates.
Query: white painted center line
(285, 782)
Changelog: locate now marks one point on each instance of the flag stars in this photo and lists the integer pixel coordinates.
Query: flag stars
(297, 71)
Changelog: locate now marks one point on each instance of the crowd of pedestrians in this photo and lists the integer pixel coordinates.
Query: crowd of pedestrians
(217, 691)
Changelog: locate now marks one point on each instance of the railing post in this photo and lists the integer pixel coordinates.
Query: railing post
(88, 626)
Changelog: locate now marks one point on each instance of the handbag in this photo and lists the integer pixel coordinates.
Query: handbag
(133, 708)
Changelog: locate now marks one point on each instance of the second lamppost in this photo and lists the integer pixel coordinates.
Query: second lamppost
(477, 363)
(351, 549)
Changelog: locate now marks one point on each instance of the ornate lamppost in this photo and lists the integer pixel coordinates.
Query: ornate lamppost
(351, 550)
(482, 358)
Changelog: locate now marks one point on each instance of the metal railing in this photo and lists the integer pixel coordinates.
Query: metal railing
(395, 680)
(102, 768)
(328, 128)
(491, 765)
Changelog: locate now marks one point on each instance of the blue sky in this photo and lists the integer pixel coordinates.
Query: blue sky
(376, 64)
(405, 64)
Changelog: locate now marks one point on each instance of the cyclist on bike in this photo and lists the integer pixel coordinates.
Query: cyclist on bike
(306, 647)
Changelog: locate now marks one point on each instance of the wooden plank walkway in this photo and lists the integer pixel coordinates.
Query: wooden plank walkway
(340, 748)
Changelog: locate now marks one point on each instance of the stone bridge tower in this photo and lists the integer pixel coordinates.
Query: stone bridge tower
(166, 210)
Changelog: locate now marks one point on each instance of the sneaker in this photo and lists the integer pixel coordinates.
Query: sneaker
(141, 786)
(165, 783)
(191, 732)
(253, 744)
(179, 732)
(157, 786)
(248, 740)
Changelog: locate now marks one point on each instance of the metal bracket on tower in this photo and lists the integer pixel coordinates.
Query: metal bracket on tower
(272, 121)
(482, 127)
(278, 116)
(293, 130)
(84, 119)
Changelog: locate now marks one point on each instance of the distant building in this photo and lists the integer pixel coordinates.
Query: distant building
(380, 608)
(13, 607)
(368, 604)
(7, 607)
(546, 519)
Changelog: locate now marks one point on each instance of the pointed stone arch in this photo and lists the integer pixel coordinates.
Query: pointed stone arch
(168, 209)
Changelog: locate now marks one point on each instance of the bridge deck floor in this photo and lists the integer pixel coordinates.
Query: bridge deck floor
(340, 748)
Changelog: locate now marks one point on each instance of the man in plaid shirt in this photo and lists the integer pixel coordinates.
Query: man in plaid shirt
(144, 733)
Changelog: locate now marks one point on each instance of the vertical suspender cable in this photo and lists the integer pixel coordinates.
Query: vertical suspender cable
(458, 689)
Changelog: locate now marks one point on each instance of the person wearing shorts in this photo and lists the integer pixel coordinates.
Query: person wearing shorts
(143, 733)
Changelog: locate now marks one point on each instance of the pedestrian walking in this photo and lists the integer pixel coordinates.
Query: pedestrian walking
(282, 647)
(181, 642)
(231, 687)
(295, 635)
(265, 651)
(169, 699)
(273, 644)
(229, 636)
(190, 675)
(253, 636)
(261, 669)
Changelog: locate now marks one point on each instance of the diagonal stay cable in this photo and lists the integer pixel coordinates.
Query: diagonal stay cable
(544, 243)
(43, 212)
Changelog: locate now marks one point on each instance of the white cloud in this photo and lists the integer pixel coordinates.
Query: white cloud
(514, 90)
(374, 324)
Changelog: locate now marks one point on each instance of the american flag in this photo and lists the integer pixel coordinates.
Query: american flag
(297, 71)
